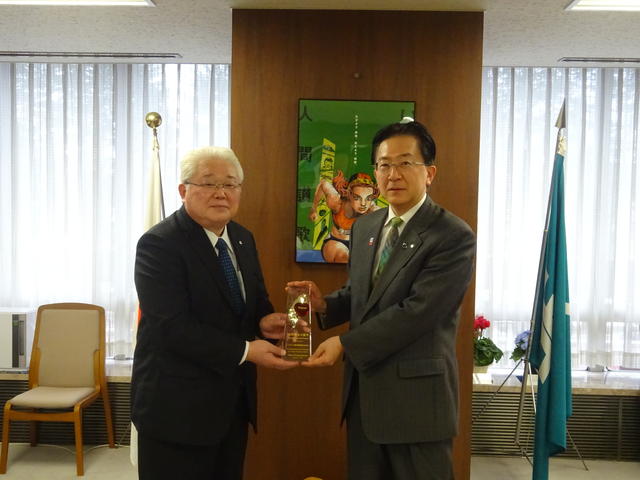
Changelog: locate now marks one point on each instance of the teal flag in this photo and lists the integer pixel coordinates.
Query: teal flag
(551, 345)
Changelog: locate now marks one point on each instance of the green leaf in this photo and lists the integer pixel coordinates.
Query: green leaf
(485, 352)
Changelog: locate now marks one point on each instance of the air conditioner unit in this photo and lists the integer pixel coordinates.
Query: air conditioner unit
(16, 337)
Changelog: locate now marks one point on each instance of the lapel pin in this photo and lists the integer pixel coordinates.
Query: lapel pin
(404, 245)
(411, 246)
(371, 241)
(240, 242)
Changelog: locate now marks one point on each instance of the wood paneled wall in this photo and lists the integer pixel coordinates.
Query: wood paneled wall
(280, 56)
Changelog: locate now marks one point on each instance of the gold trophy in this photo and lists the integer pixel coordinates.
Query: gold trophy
(297, 330)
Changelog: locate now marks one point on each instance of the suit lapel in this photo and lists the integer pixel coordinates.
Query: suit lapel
(372, 234)
(362, 257)
(408, 244)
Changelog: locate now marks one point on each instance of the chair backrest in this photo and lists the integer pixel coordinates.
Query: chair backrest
(67, 336)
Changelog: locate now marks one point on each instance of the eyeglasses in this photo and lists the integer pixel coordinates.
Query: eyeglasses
(385, 167)
(225, 187)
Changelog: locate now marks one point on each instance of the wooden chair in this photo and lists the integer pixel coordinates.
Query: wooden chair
(66, 373)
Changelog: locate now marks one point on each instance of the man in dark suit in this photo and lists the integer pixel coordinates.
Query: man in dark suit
(203, 303)
(409, 268)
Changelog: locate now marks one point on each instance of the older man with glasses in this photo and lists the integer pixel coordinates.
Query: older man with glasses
(205, 317)
(410, 265)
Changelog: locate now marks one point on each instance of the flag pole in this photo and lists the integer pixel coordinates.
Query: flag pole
(155, 202)
(154, 213)
(561, 124)
(540, 285)
(548, 348)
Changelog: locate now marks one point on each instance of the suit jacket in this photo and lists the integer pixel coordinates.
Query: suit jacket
(186, 381)
(402, 334)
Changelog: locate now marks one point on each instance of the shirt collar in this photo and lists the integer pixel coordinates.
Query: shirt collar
(408, 215)
(214, 238)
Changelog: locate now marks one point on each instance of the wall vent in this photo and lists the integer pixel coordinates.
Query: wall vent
(603, 427)
(61, 433)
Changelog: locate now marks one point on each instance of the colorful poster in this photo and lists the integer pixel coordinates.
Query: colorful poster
(336, 184)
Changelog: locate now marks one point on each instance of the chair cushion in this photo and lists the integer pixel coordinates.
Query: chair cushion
(51, 397)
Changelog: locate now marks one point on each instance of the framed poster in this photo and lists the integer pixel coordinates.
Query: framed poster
(336, 184)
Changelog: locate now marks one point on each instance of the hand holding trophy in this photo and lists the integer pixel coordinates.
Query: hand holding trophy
(297, 329)
(328, 352)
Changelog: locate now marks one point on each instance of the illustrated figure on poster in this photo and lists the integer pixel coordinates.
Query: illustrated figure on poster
(347, 201)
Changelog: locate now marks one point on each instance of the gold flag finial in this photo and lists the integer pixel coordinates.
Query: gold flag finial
(153, 119)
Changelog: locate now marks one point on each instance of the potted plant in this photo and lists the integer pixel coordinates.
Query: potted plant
(485, 352)
(522, 343)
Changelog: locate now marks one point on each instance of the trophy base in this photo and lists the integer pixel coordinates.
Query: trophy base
(297, 346)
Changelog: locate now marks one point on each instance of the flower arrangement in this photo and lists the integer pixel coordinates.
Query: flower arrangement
(522, 343)
(485, 352)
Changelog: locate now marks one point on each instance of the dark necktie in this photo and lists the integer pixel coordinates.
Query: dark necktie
(232, 278)
(392, 239)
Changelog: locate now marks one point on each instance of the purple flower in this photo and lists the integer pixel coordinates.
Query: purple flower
(522, 340)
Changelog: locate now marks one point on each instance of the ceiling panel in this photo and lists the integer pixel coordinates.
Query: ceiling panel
(516, 32)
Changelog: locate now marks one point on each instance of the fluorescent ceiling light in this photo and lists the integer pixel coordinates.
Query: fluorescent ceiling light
(89, 54)
(600, 59)
(82, 3)
(603, 5)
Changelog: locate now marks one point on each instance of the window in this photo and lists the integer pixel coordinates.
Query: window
(74, 163)
(602, 188)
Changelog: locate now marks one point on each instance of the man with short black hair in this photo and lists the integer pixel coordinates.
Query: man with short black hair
(409, 268)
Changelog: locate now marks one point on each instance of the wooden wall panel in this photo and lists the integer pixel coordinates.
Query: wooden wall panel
(280, 56)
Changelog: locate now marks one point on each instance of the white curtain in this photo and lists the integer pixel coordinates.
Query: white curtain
(602, 188)
(75, 153)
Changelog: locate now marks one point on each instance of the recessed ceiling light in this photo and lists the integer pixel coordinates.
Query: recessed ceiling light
(603, 5)
(82, 3)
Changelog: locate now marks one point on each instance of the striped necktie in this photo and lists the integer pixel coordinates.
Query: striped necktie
(237, 301)
(392, 239)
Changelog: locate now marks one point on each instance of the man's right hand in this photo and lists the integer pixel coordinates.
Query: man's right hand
(317, 300)
(268, 355)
